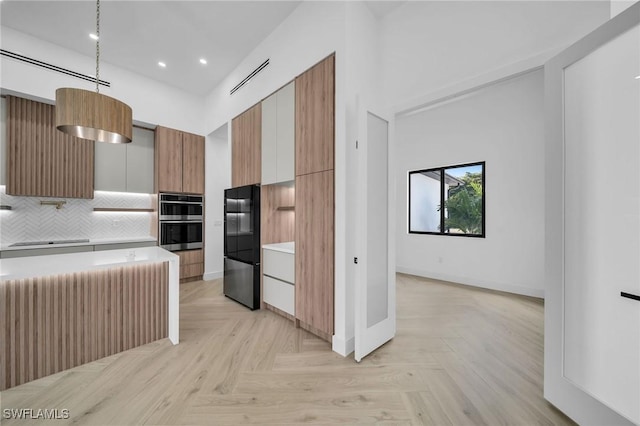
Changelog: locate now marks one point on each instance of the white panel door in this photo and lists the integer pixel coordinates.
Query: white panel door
(592, 332)
(375, 302)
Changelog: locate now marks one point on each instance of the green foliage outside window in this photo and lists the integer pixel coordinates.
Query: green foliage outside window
(464, 205)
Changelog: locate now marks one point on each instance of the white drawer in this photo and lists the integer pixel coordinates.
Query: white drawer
(279, 294)
(279, 265)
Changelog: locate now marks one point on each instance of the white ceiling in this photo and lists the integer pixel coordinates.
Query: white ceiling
(135, 35)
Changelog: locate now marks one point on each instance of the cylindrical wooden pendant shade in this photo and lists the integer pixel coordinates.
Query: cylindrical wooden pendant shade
(91, 115)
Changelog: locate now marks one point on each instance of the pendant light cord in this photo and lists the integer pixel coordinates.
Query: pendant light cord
(98, 46)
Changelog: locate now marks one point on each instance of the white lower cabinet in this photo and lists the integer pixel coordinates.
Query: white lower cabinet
(279, 294)
(278, 289)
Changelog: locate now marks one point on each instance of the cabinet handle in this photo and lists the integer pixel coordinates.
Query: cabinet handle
(630, 296)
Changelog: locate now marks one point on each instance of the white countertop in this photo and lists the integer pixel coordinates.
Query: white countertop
(36, 266)
(55, 264)
(93, 242)
(288, 247)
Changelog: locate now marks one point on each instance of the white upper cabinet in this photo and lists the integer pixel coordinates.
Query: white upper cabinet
(140, 161)
(126, 167)
(269, 140)
(278, 136)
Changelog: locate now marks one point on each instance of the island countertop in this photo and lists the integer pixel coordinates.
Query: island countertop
(28, 267)
(57, 264)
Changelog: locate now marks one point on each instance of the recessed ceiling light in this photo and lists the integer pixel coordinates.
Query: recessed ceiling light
(162, 64)
(638, 77)
(203, 61)
(93, 36)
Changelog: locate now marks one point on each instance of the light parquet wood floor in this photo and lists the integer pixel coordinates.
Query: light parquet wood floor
(461, 356)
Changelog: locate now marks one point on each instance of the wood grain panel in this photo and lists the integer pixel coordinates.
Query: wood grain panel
(315, 250)
(191, 263)
(41, 160)
(246, 147)
(192, 163)
(276, 226)
(192, 270)
(168, 155)
(315, 117)
(49, 324)
(190, 256)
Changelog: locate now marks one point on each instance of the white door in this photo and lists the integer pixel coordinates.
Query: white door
(592, 330)
(375, 297)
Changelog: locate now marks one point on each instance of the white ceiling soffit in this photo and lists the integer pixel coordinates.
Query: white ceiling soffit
(383, 7)
(136, 35)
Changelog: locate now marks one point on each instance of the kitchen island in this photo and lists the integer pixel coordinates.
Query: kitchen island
(61, 311)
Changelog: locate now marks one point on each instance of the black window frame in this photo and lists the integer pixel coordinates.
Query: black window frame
(442, 200)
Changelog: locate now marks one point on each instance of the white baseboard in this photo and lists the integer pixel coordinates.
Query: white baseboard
(342, 346)
(491, 285)
(212, 275)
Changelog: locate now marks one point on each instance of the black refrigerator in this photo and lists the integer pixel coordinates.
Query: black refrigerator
(242, 245)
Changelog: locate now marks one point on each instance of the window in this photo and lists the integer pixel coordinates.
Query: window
(447, 200)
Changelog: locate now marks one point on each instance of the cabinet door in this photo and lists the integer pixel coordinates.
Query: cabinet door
(315, 118)
(286, 133)
(41, 160)
(168, 160)
(247, 147)
(193, 163)
(110, 166)
(140, 160)
(269, 140)
(314, 253)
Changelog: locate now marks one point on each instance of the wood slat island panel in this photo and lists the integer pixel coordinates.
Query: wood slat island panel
(52, 323)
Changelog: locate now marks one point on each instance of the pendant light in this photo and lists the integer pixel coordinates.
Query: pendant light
(91, 115)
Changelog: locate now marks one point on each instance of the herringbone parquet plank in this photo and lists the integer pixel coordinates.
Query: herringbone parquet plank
(461, 356)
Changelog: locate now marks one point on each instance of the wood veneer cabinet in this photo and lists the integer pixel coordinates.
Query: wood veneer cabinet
(191, 264)
(314, 238)
(246, 147)
(179, 161)
(192, 163)
(315, 118)
(41, 160)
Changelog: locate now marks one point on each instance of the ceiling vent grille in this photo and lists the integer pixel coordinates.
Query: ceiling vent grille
(51, 67)
(249, 77)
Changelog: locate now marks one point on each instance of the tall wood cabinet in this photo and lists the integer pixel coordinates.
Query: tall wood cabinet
(41, 160)
(246, 147)
(314, 251)
(315, 115)
(179, 161)
(315, 201)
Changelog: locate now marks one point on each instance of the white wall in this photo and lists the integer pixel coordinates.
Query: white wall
(618, 6)
(218, 178)
(361, 91)
(425, 203)
(313, 31)
(152, 102)
(502, 125)
(432, 45)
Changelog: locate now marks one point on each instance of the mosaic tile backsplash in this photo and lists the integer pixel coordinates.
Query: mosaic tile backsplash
(30, 221)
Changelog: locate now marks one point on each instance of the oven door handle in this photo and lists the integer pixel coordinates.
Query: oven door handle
(182, 221)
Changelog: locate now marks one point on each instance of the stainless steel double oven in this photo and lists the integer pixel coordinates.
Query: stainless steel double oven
(181, 218)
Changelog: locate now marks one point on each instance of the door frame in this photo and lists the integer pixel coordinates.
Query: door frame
(577, 404)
